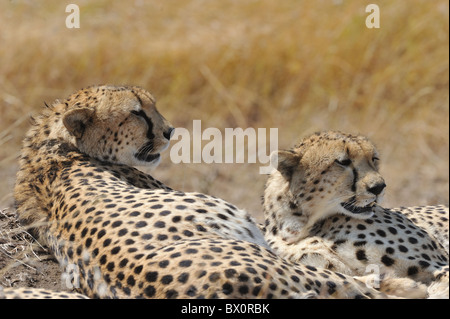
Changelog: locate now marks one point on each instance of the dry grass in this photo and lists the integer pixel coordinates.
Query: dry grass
(300, 66)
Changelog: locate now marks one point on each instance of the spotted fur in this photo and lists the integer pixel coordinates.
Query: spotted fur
(37, 293)
(130, 236)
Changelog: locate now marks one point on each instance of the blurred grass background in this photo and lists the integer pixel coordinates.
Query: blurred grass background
(299, 66)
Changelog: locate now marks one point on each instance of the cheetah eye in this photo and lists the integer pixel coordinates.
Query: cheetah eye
(138, 113)
(374, 159)
(344, 162)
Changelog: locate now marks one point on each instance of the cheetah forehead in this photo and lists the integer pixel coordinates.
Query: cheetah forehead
(108, 97)
(334, 142)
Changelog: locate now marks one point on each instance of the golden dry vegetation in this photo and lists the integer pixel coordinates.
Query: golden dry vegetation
(299, 66)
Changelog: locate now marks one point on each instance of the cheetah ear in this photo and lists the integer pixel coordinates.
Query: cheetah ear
(76, 121)
(285, 162)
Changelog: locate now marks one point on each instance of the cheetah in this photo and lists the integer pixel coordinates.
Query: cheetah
(321, 208)
(129, 235)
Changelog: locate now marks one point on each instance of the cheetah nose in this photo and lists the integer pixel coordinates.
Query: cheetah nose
(168, 134)
(377, 189)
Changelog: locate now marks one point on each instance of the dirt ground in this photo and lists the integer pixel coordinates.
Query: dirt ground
(23, 262)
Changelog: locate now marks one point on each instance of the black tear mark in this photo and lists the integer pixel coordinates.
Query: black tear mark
(149, 122)
(355, 179)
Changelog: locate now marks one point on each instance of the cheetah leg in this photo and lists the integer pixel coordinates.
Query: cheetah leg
(314, 252)
(439, 288)
(398, 287)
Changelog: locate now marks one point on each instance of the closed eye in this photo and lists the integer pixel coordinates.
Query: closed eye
(344, 162)
(139, 113)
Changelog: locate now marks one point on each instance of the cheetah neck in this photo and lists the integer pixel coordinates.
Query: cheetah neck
(47, 142)
(46, 149)
(287, 219)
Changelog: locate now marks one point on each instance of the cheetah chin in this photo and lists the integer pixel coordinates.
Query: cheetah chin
(149, 158)
(362, 212)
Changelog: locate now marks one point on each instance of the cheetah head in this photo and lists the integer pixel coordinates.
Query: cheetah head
(117, 124)
(326, 173)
